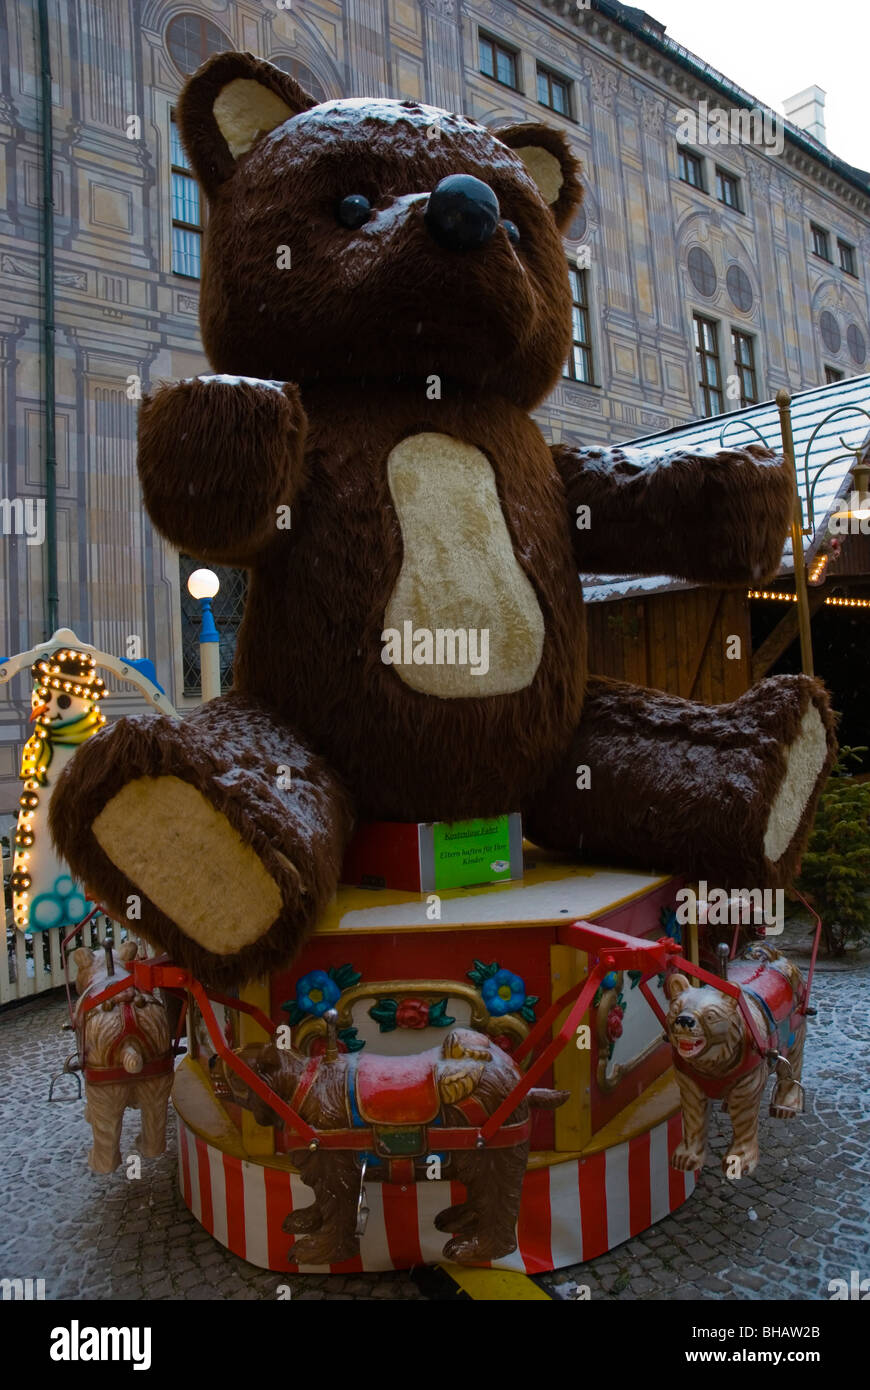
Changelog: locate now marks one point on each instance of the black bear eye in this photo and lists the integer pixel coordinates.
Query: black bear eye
(512, 230)
(354, 211)
(63, 702)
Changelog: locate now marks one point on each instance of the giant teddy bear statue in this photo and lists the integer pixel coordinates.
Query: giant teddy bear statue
(384, 300)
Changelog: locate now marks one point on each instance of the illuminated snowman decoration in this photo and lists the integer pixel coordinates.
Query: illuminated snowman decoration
(65, 712)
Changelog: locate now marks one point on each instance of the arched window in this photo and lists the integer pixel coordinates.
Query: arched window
(191, 39)
(301, 74)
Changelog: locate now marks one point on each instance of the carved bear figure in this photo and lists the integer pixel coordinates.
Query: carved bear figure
(384, 299)
(715, 1058)
(126, 1047)
(456, 1085)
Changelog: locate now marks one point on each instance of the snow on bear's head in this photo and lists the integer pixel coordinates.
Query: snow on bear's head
(370, 239)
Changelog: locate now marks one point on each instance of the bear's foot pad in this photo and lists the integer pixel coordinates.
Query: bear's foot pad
(156, 829)
(806, 757)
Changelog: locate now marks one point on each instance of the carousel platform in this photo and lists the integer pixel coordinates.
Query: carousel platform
(398, 977)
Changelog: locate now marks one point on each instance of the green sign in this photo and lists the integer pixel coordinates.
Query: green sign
(472, 851)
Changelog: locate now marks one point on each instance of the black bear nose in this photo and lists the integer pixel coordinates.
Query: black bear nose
(685, 1021)
(462, 212)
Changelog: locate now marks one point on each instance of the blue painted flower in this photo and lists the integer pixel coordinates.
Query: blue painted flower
(316, 992)
(609, 981)
(503, 993)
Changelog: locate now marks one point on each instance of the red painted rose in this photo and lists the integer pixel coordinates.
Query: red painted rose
(614, 1023)
(412, 1013)
(504, 1042)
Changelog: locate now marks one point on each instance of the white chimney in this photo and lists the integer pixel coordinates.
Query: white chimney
(806, 110)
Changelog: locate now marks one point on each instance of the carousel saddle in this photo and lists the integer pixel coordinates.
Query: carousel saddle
(398, 1090)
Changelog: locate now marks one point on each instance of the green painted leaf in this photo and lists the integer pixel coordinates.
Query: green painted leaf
(384, 1014)
(438, 1016)
(351, 1041)
(345, 976)
(528, 1013)
(293, 1012)
(635, 976)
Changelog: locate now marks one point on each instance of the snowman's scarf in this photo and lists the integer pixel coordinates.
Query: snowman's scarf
(38, 751)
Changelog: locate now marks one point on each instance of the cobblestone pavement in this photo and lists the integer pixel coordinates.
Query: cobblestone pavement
(802, 1219)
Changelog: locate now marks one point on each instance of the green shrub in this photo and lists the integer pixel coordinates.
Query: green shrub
(835, 870)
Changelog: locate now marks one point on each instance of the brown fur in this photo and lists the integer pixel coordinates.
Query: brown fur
(100, 1031)
(359, 323)
(706, 1015)
(467, 1063)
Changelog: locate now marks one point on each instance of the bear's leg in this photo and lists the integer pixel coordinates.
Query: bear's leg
(220, 835)
(152, 1097)
(744, 1100)
(788, 1097)
(494, 1181)
(335, 1178)
(105, 1112)
(689, 1155)
(724, 793)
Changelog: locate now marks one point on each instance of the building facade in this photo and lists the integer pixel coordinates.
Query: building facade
(705, 276)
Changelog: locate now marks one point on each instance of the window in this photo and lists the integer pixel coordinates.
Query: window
(579, 364)
(227, 607)
(847, 257)
(301, 74)
(728, 189)
(691, 169)
(186, 211)
(707, 358)
(744, 361)
(191, 39)
(832, 374)
(820, 242)
(498, 62)
(554, 92)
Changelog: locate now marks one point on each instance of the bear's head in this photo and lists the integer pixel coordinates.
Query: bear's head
(705, 1027)
(374, 240)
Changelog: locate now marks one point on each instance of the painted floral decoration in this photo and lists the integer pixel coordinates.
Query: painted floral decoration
(318, 991)
(614, 1023)
(390, 1014)
(503, 992)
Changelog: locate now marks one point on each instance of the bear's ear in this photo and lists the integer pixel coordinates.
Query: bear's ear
(548, 159)
(228, 106)
(676, 985)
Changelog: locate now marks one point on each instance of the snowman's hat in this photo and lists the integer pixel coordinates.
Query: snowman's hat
(70, 671)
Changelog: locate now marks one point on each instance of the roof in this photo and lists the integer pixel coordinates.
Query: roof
(827, 422)
(654, 34)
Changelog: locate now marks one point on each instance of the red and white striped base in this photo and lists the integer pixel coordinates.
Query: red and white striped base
(570, 1211)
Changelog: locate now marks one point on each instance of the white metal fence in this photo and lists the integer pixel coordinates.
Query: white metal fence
(31, 962)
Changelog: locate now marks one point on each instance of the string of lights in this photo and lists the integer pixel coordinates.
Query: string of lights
(774, 597)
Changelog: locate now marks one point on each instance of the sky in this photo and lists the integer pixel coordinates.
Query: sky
(775, 48)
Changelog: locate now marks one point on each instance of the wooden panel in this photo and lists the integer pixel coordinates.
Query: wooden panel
(572, 1069)
(674, 642)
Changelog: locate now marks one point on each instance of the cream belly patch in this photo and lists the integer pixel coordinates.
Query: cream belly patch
(460, 591)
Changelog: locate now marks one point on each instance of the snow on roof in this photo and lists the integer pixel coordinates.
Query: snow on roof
(827, 423)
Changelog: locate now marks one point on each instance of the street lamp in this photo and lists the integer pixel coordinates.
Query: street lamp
(203, 585)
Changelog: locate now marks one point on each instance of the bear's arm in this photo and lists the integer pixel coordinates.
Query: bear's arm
(218, 457)
(720, 517)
